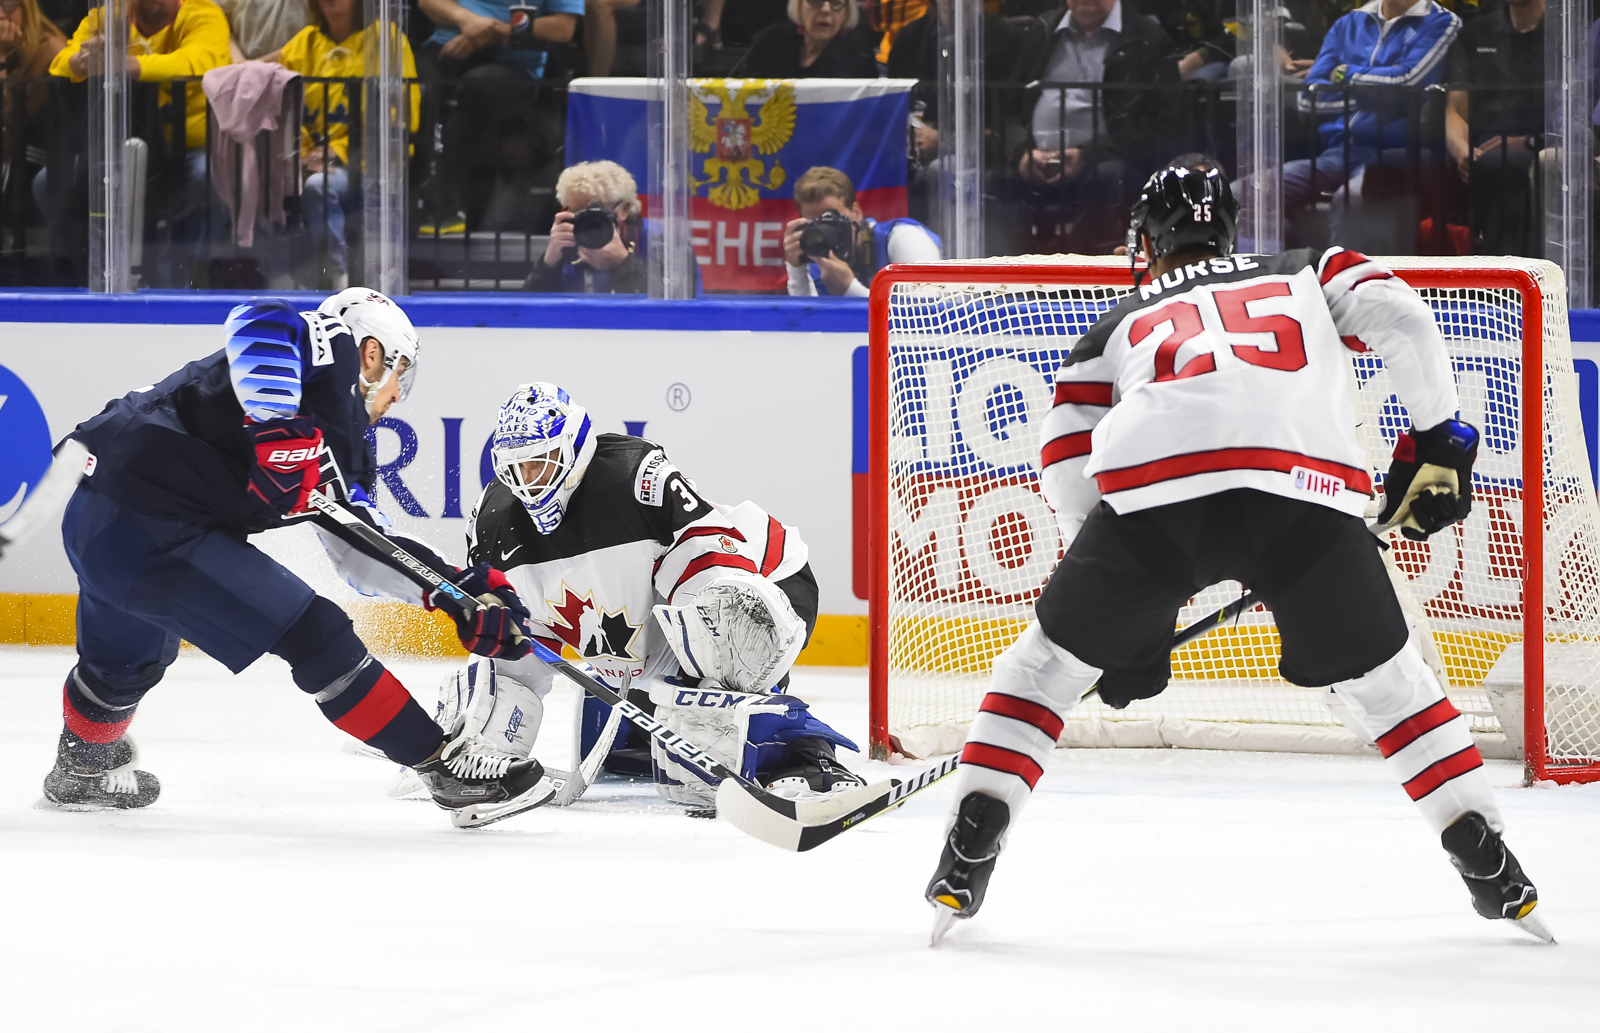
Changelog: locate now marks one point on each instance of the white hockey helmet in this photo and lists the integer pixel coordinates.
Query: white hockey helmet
(541, 425)
(371, 314)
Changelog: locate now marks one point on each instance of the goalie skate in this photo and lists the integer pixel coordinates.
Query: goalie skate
(480, 785)
(970, 851)
(1496, 881)
(98, 777)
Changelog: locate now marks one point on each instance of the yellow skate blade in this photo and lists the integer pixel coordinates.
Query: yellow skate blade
(944, 916)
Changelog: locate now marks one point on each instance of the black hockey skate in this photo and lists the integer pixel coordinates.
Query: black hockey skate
(92, 776)
(957, 888)
(480, 785)
(1497, 883)
(812, 770)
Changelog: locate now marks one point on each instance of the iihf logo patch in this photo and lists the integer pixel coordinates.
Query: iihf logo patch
(1313, 483)
(727, 544)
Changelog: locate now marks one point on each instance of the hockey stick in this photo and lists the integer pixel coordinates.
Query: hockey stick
(802, 812)
(738, 809)
(571, 785)
(49, 496)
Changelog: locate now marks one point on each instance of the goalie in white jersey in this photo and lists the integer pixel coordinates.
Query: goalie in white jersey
(1205, 430)
(621, 560)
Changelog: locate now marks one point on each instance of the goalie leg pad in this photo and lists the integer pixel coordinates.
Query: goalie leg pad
(498, 708)
(1403, 710)
(758, 735)
(740, 632)
(1036, 685)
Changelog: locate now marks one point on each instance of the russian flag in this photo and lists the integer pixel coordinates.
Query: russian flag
(749, 141)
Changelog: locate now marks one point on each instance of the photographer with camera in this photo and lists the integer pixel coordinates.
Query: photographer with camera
(595, 243)
(832, 248)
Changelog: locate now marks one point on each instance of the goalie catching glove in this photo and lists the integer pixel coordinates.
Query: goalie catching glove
(1429, 485)
(499, 628)
(740, 633)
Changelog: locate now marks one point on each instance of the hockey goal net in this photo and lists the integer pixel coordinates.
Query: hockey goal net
(962, 361)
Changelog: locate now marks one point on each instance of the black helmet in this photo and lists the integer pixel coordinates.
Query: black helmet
(1184, 208)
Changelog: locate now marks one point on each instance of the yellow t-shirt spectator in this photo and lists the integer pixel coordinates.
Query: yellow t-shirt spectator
(312, 53)
(195, 43)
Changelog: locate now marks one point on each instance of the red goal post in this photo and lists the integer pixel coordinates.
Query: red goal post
(959, 544)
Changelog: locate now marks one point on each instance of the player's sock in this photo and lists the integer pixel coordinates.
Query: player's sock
(1426, 740)
(96, 713)
(1036, 684)
(353, 689)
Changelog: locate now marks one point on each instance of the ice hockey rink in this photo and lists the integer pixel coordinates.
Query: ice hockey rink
(275, 886)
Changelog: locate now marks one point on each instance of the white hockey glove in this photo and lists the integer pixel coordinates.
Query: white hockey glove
(740, 632)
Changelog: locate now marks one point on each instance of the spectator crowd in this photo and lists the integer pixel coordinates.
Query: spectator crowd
(1408, 126)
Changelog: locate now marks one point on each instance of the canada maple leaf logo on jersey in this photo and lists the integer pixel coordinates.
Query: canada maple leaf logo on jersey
(590, 631)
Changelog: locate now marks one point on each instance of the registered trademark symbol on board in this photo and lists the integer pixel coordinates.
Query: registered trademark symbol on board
(678, 397)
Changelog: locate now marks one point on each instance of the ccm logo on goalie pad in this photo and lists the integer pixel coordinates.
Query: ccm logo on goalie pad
(708, 698)
(291, 455)
(1313, 483)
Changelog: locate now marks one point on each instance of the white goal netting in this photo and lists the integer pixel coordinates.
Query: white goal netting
(970, 541)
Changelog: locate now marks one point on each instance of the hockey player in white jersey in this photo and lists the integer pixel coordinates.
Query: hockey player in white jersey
(623, 562)
(1205, 430)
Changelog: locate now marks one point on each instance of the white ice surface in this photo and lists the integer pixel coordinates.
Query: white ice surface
(275, 887)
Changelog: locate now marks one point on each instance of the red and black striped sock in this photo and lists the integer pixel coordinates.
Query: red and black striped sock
(374, 707)
(91, 718)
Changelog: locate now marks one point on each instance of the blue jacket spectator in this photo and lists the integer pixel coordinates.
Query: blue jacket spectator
(1381, 43)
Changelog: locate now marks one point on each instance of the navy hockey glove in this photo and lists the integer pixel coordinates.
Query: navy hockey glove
(1429, 485)
(287, 462)
(497, 629)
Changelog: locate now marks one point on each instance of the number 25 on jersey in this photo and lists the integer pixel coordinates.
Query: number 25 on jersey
(1187, 322)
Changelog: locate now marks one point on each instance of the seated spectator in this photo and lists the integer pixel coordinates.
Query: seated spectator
(167, 39)
(260, 28)
(476, 33)
(816, 46)
(825, 192)
(334, 48)
(1084, 150)
(1395, 43)
(28, 43)
(1494, 131)
(472, 47)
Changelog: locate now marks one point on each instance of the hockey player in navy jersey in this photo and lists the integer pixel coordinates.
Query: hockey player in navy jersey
(180, 473)
(1205, 430)
(703, 606)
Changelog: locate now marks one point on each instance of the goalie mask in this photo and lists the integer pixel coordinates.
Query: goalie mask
(370, 314)
(543, 442)
(1183, 208)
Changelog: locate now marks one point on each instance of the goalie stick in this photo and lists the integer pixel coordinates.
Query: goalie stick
(49, 496)
(859, 805)
(799, 812)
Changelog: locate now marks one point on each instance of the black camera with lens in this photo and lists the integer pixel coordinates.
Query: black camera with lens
(830, 231)
(593, 228)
